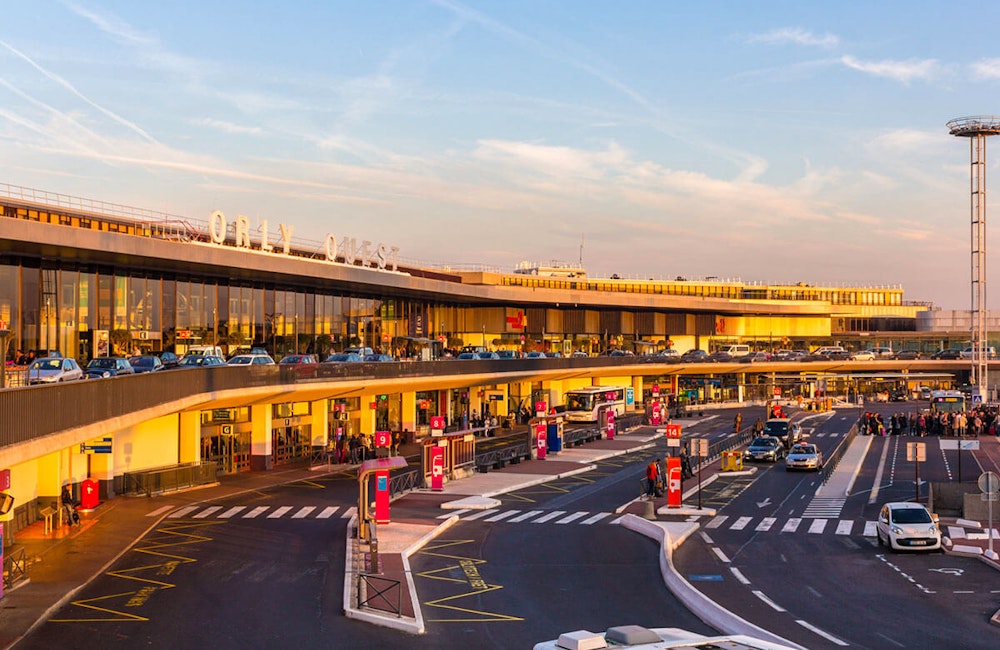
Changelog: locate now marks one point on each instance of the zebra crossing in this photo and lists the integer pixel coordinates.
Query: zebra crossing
(558, 517)
(258, 512)
(816, 526)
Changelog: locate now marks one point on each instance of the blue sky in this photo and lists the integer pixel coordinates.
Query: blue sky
(770, 141)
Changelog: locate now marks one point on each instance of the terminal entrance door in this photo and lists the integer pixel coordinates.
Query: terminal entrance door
(229, 451)
(289, 444)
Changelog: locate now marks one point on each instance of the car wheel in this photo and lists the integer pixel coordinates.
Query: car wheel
(878, 537)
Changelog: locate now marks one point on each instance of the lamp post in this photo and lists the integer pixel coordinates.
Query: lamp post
(4, 336)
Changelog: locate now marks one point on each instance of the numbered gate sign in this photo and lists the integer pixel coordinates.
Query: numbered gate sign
(673, 431)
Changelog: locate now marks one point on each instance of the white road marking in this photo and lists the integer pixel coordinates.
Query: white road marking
(503, 515)
(255, 512)
(527, 515)
(481, 514)
(453, 513)
(717, 521)
(775, 606)
(232, 511)
(825, 635)
(159, 511)
(817, 526)
(350, 512)
(593, 520)
(791, 525)
(741, 523)
(765, 523)
(182, 512)
(572, 517)
(304, 512)
(720, 554)
(869, 529)
(280, 512)
(549, 517)
(207, 511)
(739, 576)
(844, 527)
(327, 512)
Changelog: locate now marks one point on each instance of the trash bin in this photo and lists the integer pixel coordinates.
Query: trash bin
(554, 437)
(732, 461)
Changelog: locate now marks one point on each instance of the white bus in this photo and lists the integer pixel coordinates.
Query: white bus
(947, 401)
(583, 404)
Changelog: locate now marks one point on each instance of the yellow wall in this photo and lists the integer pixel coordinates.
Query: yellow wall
(147, 445)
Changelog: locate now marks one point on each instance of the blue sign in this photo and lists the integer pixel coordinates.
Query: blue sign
(382, 483)
(629, 396)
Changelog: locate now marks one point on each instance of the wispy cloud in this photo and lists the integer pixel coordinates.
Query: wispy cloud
(228, 127)
(902, 71)
(794, 36)
(986, 69)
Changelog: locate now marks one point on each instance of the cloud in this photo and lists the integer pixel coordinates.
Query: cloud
(228, 127)
(986, 69)
(794, 36)
(902, 71)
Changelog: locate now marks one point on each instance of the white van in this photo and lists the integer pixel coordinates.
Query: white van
(738, 350)
(206, 350)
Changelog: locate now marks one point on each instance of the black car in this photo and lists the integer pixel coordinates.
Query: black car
(907, 355)
(694, 356)
(720, 356)
(947, 355)
(765, 448)
(169, 359)
(108, 367)
(146, 363)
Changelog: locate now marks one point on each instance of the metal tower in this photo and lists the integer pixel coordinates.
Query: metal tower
(977, 129)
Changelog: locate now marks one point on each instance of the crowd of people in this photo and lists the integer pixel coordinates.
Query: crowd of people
(981, 420)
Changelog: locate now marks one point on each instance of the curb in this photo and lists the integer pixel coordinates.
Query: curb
(710, 612)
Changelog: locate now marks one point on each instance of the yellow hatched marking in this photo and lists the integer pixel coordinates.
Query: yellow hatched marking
(304, 483)
(478, 616)
(86, 604)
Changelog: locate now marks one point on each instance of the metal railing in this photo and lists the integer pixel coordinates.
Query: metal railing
(382, 598)
(168, 479)
(15, 568)
(831, 462)
(405, 481)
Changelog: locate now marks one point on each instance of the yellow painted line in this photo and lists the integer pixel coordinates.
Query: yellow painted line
(122, 616)
(313, 485)
(483, 617)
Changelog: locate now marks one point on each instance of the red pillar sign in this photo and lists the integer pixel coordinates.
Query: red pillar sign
(382, 496)
(673, 482)
(673, 433)
(541, 441)
(655, 417)
(437, 468)
(89, 494)
(610, 426)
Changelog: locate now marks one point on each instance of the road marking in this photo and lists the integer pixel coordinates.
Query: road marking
(825, 635)
(572, 517)
(304, 512)
(503, 515)
(481, 514)
(206, 512)
(593, 520)
(739, 576)
(817, 526)
(717, 521)
(873, 495)
(280, 512)
(232, 511)
(869, 529)
(159, 511)
(350, 512)
(791, 525)
(259, 510)
(741, 523)
(550, 516)
(844, 527)
(182, 512)
(454, 513)
(775, 606)
(327, 512)
(720, 554)
(765, 523)
(527, 515)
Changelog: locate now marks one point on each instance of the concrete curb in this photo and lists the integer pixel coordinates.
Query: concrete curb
(700, 605)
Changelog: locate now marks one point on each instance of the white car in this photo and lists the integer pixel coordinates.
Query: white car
(904, 525)
(251, 360)
(804, 456)
(863, 355)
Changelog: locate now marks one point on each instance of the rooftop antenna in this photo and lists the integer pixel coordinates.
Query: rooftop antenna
(581, 251)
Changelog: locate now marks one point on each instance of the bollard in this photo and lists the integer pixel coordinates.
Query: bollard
(650, 513)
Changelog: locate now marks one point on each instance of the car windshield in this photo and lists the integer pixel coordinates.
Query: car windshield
(763, 442)
(47, 364)
(911, 516)
(102, 363)
(141, 361)
(241, 361)
(776, 428)
(806, 450)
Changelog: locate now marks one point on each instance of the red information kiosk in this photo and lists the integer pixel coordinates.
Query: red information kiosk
(380, 467)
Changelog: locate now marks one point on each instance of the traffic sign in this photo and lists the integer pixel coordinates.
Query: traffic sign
(916, 451)
(673, 431)
(989, 482)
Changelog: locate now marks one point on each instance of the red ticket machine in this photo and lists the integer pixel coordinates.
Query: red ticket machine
(89, 494)
(609, 423)
(656, 415)
(382, 496)
(674, 482)
(541, 440)
(437, 468)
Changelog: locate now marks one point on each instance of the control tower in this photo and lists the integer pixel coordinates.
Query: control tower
(977, 129)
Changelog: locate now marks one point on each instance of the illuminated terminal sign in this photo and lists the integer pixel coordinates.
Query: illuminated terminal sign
(368, 254)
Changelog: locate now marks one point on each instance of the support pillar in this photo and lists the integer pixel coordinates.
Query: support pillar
(408, 410)
(260, 437)
(189, 437)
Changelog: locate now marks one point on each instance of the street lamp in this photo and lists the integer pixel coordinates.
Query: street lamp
(4, 336)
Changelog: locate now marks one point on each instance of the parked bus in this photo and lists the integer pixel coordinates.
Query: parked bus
(583, 404)
(947, 401)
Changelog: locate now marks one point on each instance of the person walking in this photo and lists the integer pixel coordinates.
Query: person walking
(652, 474)
(738, 422)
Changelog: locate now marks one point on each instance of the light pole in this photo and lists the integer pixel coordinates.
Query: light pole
(4, 336)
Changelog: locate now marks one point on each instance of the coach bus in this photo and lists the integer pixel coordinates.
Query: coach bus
(583, 404)
(947, 401)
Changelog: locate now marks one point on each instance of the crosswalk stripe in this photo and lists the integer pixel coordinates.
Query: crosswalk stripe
(550, 516)
(159, 511)
(206, 512)
(596, 518)
(571, 518)
(844, 527)
(177, 514)
(350, 512)
(280, 512)
(327, 512)
(956, 532)
(817, 526)
(869, 529)
(741, 523)
(791, 525)
(766, 523)
(527, 515)
(503, 515)
(480, 514)
(304, 512)
(454, 513)
(259, 510)
(717, 521)
(232, 511)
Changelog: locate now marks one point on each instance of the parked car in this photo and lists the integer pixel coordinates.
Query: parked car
(991, 353)
(487, 355)
(204, 350)
(53, 370)
(863, 355)
(534, 354)
(554, 354)
(907, 355)
(947, 354)
(670, 355)
(201, 361)
(755, 357)
(146, 363)
(804, 456)
(377, 358)
(304, 364)
(251, 360)
(882, 353)
(345, 357)
(694, 356)
(925, 392)
(508, 354)
(169, 359)
(579, 354)
(720, 356)
(103, 367)
(905, 525)
(765, 448)
(360, 351)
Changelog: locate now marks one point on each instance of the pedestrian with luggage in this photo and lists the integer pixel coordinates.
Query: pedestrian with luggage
(652, 475)
(69, 506)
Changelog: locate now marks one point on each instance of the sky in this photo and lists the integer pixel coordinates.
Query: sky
(770, 142)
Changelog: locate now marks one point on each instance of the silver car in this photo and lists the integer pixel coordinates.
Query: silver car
(804, 456)
(53, 370)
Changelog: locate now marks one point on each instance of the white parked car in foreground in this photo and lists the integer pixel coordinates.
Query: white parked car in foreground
(905, 525)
